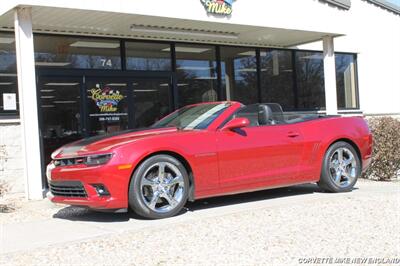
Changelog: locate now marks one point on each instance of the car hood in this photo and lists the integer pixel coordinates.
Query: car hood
(105, 143)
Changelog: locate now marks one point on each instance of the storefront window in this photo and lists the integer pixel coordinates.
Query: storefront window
(152, 100)
(9, 105)
(59, 105)
(346, 81)
(277, 78)
(239, 74)
(310, 80)
(107, 105)
(148, 56)
(70, 52)
(196, 68)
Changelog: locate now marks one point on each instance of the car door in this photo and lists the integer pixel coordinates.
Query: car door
(267, 154)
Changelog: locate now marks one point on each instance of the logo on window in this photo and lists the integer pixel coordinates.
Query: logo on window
(106, 99)
(218, 7)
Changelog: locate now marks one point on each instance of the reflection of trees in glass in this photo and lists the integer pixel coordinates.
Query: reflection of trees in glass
(245, 88)
(277, 79)
(345, 80)
(310, 80)
(137, 63)
(8, 61)
(197, 81)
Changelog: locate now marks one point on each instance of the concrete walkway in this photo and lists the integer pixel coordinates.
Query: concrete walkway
(43, 225)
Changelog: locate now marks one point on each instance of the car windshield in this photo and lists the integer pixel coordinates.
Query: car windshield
(193, 117)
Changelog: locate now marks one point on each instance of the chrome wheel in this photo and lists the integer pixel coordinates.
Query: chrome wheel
(162, 187)
(343, 167)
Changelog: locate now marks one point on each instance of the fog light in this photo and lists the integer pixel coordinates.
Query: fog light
(101, 190)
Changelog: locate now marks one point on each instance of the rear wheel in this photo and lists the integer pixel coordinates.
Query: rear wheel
(159, 187)
(341, 168)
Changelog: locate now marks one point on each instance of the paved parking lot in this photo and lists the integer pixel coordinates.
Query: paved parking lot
(285, 226)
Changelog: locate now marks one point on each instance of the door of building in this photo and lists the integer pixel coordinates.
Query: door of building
(117, 104)
(74, 107)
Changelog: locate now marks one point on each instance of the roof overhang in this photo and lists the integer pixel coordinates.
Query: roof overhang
(90, 22)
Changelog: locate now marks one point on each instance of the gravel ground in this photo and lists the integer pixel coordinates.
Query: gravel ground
(276, 227)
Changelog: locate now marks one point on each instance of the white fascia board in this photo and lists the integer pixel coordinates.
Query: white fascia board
(314, 17)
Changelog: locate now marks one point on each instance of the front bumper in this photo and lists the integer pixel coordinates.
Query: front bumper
(114, 179)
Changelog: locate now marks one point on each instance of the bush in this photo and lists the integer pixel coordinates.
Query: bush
(386, 154)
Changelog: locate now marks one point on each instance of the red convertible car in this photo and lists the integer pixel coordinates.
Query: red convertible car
(207, 150)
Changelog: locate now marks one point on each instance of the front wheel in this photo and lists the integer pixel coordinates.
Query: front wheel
(340, 169)
(159, 187)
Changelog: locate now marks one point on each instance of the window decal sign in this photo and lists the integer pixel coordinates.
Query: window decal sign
(106, 99)
(218, 7)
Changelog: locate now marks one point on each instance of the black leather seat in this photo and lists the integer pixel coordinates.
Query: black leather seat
(265, 115)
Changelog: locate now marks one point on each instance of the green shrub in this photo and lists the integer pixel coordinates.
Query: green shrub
(386, 154)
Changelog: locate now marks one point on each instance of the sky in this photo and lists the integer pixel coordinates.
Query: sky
(396, 2)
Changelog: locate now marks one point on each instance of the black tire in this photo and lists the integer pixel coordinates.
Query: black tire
(326, 181)
(136, 199)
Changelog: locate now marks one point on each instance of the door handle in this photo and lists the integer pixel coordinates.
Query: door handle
(292, 134)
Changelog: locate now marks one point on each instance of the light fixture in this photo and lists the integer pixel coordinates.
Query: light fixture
(64, 102)
(6, 40)
(313, 57)
(164, 84)
(8, 75)
(117, 84)
(5, 83)
(47, 90)
(48, 106)
(206, 78)
(182, 84)
(144, 90)
(61, 84)
(182, 49)
(58, 64)
(47, 97)
(194, 68)
(247, 70)
(186, 32)
(105, 45)
(248, 53)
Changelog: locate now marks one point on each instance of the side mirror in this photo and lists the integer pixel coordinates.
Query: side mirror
(236, 123)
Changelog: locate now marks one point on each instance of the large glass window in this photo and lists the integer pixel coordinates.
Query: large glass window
(71, 52)
(196, 68)
(277, 78)
(346, 81)
(107, 105)
(59, 105)
(152, 100)
(310, 80)
(8, 77)
(239, 74)
(148, 56)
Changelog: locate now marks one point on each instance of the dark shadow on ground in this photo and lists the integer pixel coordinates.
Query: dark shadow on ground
(83, 214)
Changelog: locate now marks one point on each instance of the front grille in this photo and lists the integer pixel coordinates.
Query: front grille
(69, 189)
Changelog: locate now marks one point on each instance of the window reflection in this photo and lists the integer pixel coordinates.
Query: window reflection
(108, 106)
(345, 80)
(148, 56)
(9, 104)
(70, 52)
(59, 104)
(277, 78)
(152, 99)
(310, 80)
(239, 74)
(197, 74)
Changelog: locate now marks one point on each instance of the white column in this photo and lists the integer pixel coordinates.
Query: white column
(330, 76)
(28, 103)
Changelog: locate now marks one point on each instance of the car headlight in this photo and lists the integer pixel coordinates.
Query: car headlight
(97, 159)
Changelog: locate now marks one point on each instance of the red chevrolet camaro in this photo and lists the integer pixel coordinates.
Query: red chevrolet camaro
(207, 150)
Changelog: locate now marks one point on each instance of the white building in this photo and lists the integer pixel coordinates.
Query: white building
(57, 59)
